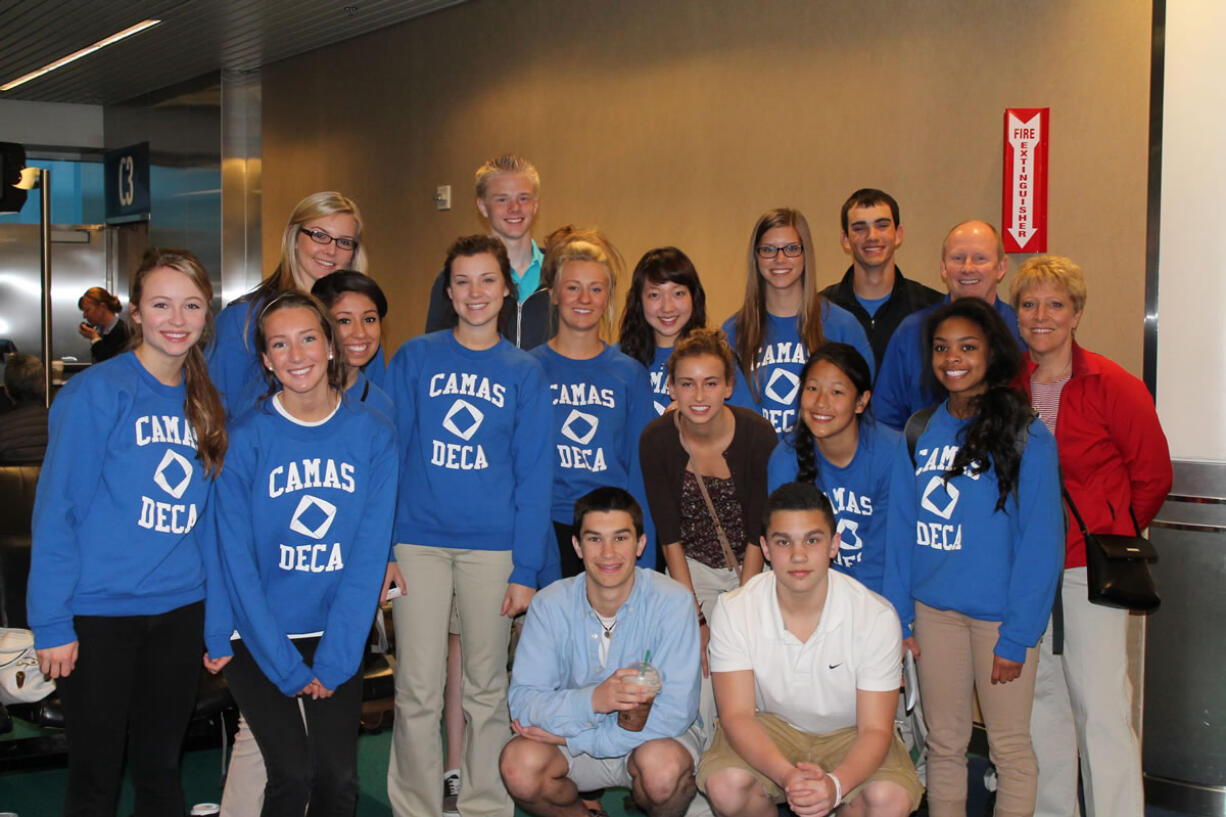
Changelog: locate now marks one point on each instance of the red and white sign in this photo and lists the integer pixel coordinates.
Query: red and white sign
(1024, 208)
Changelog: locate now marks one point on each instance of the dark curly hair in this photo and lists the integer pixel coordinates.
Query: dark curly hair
(1002, 413)
(851, 363)
(663, 265)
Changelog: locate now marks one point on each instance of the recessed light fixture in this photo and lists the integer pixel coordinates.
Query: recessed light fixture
(86, 51)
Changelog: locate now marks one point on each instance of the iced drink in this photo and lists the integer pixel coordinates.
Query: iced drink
(646, 677)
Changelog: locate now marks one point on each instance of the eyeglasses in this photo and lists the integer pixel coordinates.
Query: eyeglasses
(320, 237)
(770, 250)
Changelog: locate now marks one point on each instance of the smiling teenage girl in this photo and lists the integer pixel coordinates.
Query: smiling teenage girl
(303, 519)
(727, 447)
(601, 398)
(665, 303)
(973, 554)
(838, 447)
(116, 575)
(783, 318)
(323, 235)
(472, 520)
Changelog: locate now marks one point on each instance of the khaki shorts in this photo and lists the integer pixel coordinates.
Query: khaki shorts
(826, 750)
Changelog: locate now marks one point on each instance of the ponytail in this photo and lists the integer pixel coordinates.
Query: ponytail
(205, 412)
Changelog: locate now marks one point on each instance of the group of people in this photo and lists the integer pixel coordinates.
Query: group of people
(736, 508)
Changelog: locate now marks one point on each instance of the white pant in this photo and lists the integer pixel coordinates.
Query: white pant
(1083, 699)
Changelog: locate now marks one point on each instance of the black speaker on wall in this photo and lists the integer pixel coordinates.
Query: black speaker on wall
(12, 162)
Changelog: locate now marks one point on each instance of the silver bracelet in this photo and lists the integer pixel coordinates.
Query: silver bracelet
(838, 790)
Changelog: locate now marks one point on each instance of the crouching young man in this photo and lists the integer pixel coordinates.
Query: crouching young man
(806, 665)
(573, 675)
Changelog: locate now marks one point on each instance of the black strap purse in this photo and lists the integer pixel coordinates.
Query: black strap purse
(1117, 566)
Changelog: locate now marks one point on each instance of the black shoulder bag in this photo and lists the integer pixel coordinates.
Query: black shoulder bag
(1117, 566)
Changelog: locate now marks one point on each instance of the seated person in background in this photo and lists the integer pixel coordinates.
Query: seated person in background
(572, 687)
(106, 332)
(23, 434)
(806, 664)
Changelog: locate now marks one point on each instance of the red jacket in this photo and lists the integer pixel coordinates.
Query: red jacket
(1113, 454)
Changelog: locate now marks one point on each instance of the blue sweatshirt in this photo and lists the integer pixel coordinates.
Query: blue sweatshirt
(365, 391)
(118, 501)
(860, 494)
(903, 384)
(301, 524)
(949, 548)
(783, 355)
(476, 464)
(234, 363)
(657, 373)
(600, 407)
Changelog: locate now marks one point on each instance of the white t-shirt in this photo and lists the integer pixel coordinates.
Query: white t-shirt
(811, 685)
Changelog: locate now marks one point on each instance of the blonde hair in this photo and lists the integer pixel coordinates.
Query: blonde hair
(570, 243)
(506, 163)
(287, 276)
(203, 405)
(1050, 269)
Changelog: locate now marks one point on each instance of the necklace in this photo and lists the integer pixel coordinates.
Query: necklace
(608, 628)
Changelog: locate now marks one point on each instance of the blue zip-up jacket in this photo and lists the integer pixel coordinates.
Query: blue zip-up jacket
(234, 363)
(121, 491)
(904, 385)
(949, 548)
(600, 407)
(476, 464)
(557, 663)
(783, 355)
(860, 494)
(301, 528)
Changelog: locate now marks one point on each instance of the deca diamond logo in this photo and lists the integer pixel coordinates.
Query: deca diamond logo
(166, 471)
(309, 510)
(929, 502)
(463, 419)
(580, 427)
(849, 535)
(782, 387)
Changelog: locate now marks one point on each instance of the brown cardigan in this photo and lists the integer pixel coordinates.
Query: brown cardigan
(663, 461)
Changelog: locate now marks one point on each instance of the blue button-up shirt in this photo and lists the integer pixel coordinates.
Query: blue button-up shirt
(557, 663)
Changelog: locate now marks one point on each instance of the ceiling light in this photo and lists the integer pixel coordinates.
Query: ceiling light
(76, 55)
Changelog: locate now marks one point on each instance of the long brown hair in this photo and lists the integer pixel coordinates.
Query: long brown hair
(203, 405)
(751, 319)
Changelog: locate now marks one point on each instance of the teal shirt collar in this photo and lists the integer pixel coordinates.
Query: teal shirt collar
(528, 282)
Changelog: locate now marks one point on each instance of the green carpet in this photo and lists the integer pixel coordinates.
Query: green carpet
(40, 793)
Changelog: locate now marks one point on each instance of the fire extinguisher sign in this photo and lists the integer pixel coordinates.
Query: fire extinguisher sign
(1024, 206)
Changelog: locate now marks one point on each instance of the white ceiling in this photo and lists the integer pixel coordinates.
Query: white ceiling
(196, 37)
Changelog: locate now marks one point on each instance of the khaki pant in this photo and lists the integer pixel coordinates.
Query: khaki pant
(1083, 701)
(828, 751)
(415, 771)
(709, 583)
(956, 654)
